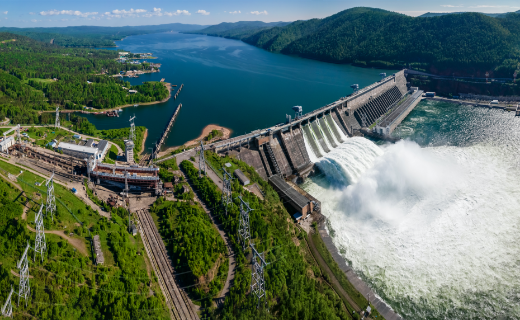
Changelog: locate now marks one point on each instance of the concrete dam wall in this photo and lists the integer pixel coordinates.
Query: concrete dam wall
(282, 149)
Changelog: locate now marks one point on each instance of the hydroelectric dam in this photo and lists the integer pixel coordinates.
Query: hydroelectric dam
(286, 153)
(286, 149)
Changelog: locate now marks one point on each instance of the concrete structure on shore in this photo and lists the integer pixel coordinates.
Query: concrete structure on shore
(282, 149)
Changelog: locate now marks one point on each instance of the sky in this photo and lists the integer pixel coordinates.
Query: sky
(62, 13)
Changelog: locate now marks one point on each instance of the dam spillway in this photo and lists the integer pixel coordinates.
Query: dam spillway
(282, 149)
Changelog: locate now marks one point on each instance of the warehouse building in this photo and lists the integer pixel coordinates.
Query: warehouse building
(80, 152)
(6, 144)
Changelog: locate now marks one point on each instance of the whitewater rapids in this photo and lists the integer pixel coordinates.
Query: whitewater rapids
(433, 230)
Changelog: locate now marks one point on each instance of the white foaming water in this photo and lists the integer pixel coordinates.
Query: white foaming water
(327, 125)
(327, 142)
(435, 231)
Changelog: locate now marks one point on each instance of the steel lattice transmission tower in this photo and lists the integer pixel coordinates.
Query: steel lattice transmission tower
(257, 275)
(57, 122)
(7, 309)
(132, 129)
(226, 190)
(51, 200)
(202, 161)
(243, 224)
(24, 290)
(39, 243)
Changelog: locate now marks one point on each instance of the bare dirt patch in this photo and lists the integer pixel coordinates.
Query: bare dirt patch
(76, 243)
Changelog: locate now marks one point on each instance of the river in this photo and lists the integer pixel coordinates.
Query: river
(231, 84)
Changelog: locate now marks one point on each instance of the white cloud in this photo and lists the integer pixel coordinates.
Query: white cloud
(67, 12)
(5, 12)
(450, 6)
(31, 13)
(203, 12)
(234, 12)
(259, 12)
(159, 13)
(34, 20)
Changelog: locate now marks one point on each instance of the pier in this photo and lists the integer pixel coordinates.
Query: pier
(166, 130)
(178, 91)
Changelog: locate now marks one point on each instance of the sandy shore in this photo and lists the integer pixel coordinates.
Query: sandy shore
(205, 132)
(144, 140)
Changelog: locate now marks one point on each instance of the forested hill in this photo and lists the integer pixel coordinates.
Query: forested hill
(464, 44)
(93, 36)
(40, 76)
(238, 30)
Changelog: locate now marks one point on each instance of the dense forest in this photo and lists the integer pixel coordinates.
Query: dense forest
(458, 44)
(294, 285)
(93, 36)
(238, 30)
(37, 76)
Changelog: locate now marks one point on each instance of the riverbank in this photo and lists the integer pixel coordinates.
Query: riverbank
(226, 133)
(145, 135)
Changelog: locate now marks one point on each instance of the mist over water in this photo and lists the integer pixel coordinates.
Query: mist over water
(431, 223)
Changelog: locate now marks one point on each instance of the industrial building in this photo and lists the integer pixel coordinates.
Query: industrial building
(80, 152)
(88, 150)
(300, 203)
(132, 175)
(6, 144)
(102, 147)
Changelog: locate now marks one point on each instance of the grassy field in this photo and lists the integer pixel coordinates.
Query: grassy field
(68, 285)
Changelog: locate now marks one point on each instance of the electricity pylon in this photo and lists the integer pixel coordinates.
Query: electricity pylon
(24, 290)
(226, 190)
(257, 275)
(51, 200)
(39, 243)
(243, 224)
(202, 161)
(7, 309)
(57, 122)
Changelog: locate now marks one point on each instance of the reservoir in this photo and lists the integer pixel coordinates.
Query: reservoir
(231, 84)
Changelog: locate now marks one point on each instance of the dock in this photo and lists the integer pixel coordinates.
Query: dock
(178, 91)
(162, 80)
(166, 131)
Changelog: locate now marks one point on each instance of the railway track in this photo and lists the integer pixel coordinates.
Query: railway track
(180, 306)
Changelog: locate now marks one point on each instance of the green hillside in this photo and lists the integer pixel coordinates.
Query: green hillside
(464, 44)
(238, 30)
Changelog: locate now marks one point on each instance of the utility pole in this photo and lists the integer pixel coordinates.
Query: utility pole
(202, 161)
(257, 275)
(24, 291)
(226, 190)
(57, 122)
(51, 200)
(39, 243)
(243, 224)
(7, 309)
